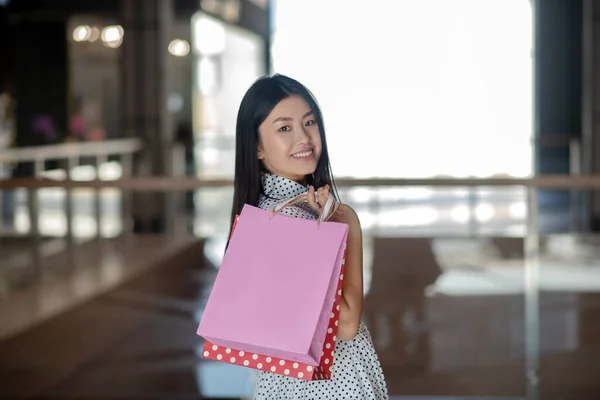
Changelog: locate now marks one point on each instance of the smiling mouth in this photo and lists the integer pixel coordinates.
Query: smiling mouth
(303, 155)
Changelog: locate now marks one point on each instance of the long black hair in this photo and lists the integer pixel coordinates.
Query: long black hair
(257, 104)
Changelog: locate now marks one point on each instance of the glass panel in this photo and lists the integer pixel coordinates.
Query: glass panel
(227, 60)
(569, 315)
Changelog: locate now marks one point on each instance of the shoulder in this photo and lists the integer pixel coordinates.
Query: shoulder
(347, 211)
(346, 214)
(351, 215)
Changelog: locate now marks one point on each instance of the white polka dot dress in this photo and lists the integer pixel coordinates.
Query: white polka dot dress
(356, 372)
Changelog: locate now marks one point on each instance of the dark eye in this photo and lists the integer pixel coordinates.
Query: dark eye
(311, 122)
(284, 128)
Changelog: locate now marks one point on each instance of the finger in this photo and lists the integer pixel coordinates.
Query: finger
(331, 209)
(334, 206)
(312, 203)
(335, 209)
(322, 195)
(322, 198)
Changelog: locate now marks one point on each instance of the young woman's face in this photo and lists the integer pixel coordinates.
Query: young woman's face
(289, 140)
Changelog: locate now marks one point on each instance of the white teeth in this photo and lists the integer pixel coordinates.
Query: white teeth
(300, 155)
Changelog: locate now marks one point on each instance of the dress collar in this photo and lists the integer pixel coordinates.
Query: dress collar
(277, 187)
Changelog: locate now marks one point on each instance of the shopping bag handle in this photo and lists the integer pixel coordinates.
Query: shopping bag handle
(328, 209)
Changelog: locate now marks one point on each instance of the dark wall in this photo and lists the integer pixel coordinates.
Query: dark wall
(558, 71)
(558, 79)
(6, 55)
(33, 68)
(34, 61)
(41, 9)
(41, 79)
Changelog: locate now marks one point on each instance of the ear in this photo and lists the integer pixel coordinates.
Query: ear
(260, 153)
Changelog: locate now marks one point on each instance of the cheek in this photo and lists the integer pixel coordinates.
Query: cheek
(316, 138)
(275, 146)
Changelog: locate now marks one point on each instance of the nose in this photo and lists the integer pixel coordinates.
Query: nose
(302, 135)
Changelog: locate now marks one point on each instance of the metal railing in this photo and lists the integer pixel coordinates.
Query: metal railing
(71, 155)
(174, 185)
(72, 151)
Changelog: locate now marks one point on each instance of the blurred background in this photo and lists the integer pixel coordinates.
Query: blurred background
(463, 132)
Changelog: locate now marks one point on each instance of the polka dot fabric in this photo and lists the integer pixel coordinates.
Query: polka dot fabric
(260, 362)
(356, 375)
(356, 372)
(276, 189)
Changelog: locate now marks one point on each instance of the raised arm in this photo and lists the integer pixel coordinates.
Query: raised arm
(352, 290)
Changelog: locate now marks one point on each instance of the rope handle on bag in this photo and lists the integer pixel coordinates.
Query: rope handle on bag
(326, 211)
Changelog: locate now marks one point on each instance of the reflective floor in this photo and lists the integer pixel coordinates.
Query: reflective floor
(446, 315)
(70, 278)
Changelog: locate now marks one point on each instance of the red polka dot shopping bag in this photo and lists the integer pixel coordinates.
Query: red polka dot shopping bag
(275, 303)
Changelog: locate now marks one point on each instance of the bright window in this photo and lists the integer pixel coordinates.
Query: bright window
(415, 88)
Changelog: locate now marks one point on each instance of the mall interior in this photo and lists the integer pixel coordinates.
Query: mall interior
(480, 223)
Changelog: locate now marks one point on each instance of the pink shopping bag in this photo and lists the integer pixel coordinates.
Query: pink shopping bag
(276, 287)
(284, 367)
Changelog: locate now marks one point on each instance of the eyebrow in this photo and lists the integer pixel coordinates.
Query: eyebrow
(279, 119)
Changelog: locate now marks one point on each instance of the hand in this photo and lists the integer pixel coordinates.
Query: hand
(317, 198)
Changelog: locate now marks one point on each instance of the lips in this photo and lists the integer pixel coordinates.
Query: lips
(303, 155)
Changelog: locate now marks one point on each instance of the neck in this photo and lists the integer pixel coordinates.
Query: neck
(298, 179)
